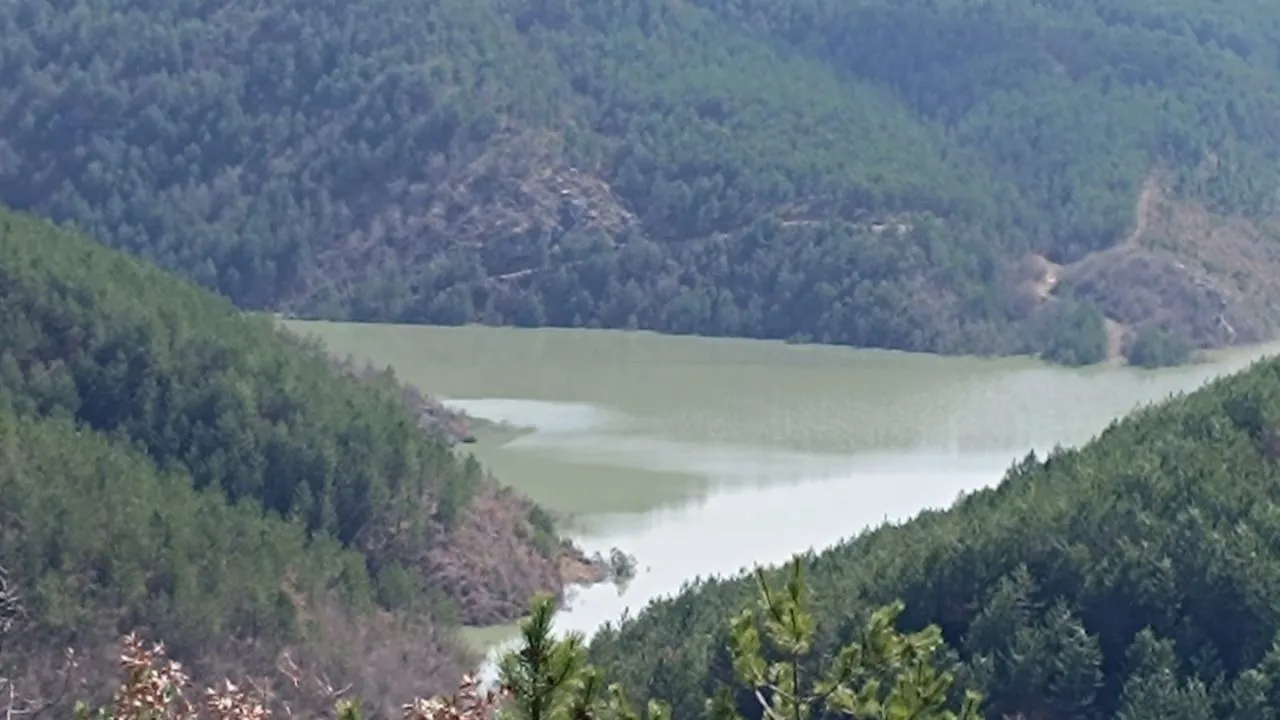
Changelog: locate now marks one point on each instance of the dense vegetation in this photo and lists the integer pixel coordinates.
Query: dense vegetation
(100, 540)
(883, 674)
(1135, 577)
(1152, 348)
(1075, 334)
(167, 461)
(851, 172)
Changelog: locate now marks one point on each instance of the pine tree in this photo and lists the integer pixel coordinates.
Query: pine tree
(883, 675)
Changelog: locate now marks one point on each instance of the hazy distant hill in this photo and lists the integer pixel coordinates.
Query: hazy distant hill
(927, 174)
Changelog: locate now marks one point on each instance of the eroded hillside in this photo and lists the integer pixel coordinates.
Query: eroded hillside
(1207, 277)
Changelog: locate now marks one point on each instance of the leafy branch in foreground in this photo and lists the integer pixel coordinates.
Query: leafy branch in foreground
(11, 609)
(550, 679)
(883, 675)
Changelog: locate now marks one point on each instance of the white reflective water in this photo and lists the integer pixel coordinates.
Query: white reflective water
(670, 448)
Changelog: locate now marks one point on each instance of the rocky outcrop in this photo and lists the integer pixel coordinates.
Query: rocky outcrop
(497, 560)
(498, 557)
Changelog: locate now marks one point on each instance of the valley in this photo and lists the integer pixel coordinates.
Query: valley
(337, 338)
(671, 448)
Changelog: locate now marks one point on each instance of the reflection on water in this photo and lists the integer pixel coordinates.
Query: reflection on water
(548, 418)
(762, 505)
(669, 448)
(590, 434)
(737, 527)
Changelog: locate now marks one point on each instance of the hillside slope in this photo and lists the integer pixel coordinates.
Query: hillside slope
(97, 542)
(1135, 577)
(172, 462)
(862, 172)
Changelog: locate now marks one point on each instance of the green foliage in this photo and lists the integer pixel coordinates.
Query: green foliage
(622, 566)
(884, 674)
(548, 678)
(242, 409)
(1076, 335)
(854, 172)
(167, 463)
(1133, 577)
(1154, 348)
(100, 541)
(1072, 102)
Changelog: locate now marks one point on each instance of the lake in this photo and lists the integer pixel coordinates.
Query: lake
(668, 447)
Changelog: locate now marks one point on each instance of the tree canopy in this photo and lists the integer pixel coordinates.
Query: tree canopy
(173, 464)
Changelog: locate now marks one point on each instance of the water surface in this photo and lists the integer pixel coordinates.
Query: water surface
(673, 448)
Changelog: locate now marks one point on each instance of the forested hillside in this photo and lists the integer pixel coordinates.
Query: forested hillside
(1135, 577)
(171, 465)
(925, 175)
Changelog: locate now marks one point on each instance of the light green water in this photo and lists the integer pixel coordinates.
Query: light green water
(668, 446)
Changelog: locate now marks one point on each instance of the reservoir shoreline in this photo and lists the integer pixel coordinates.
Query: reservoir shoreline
(658, 444)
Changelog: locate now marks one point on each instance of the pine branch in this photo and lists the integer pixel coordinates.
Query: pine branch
(11, 610)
